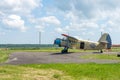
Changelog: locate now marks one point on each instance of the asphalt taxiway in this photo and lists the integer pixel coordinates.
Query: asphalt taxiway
(46, 57)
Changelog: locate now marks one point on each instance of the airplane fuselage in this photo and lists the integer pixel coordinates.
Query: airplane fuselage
(86, 45)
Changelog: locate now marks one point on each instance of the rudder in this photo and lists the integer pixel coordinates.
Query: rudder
(105, 38)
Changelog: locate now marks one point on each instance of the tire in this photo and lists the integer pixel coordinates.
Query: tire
(101, 51)
(64, 51)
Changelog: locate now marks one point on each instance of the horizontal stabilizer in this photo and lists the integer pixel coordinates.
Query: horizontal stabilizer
(105, 42)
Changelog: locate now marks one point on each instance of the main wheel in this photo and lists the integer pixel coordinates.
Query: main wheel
(64, 51)
(101, 51)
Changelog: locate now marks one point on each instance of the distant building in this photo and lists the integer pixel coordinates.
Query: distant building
(116, 45)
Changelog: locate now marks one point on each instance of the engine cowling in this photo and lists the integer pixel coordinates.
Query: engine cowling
(58, 42)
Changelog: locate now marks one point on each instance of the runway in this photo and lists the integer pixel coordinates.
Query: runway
(46, 57)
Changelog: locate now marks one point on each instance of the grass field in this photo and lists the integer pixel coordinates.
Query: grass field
(4, 54)
(100, 56)
(89, 71)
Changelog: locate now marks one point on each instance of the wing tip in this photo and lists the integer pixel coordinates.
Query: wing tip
(64, 35)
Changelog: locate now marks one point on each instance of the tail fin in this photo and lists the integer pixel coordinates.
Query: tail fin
(105, 38)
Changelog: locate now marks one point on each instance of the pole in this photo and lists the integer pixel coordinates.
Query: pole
(101, 33)
(39, 37)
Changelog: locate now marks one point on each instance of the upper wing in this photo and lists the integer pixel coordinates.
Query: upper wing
(70, 38)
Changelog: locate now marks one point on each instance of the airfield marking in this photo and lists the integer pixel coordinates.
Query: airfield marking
(14, 59)
(45, 57)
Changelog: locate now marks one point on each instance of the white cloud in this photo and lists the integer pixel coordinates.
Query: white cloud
(19, 6)
(40, 28)
(60, 30)
(2, 33)
(90, 15)
(14, 22)
(50, 20)
(43, 22)
(1, 14)
(11, 12)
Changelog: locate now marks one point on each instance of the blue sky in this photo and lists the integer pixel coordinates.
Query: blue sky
(22, 20)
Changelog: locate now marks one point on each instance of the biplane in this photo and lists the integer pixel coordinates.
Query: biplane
(104, 42)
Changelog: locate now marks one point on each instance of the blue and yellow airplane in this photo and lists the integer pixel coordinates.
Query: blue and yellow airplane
(104, 42)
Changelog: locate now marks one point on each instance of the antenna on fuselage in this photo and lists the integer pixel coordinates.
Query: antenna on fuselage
(68, 33)
(101, 33)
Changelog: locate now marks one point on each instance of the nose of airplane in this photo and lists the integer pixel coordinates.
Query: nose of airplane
(57, 42)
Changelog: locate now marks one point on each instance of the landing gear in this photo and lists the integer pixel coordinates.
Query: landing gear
(101, 51)
(65, 50)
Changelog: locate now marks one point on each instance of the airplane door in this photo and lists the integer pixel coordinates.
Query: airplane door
(82, 45)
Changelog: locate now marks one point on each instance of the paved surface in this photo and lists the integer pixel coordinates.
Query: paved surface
(45, 57)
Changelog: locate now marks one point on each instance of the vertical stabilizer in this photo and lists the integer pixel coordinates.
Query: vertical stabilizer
(105, 38)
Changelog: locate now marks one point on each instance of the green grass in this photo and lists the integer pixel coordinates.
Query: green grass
(4, 54)
(9, 72)
(90, 71)
(116, 49)
(100, 56)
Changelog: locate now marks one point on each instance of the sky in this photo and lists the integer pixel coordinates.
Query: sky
(22, 20)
